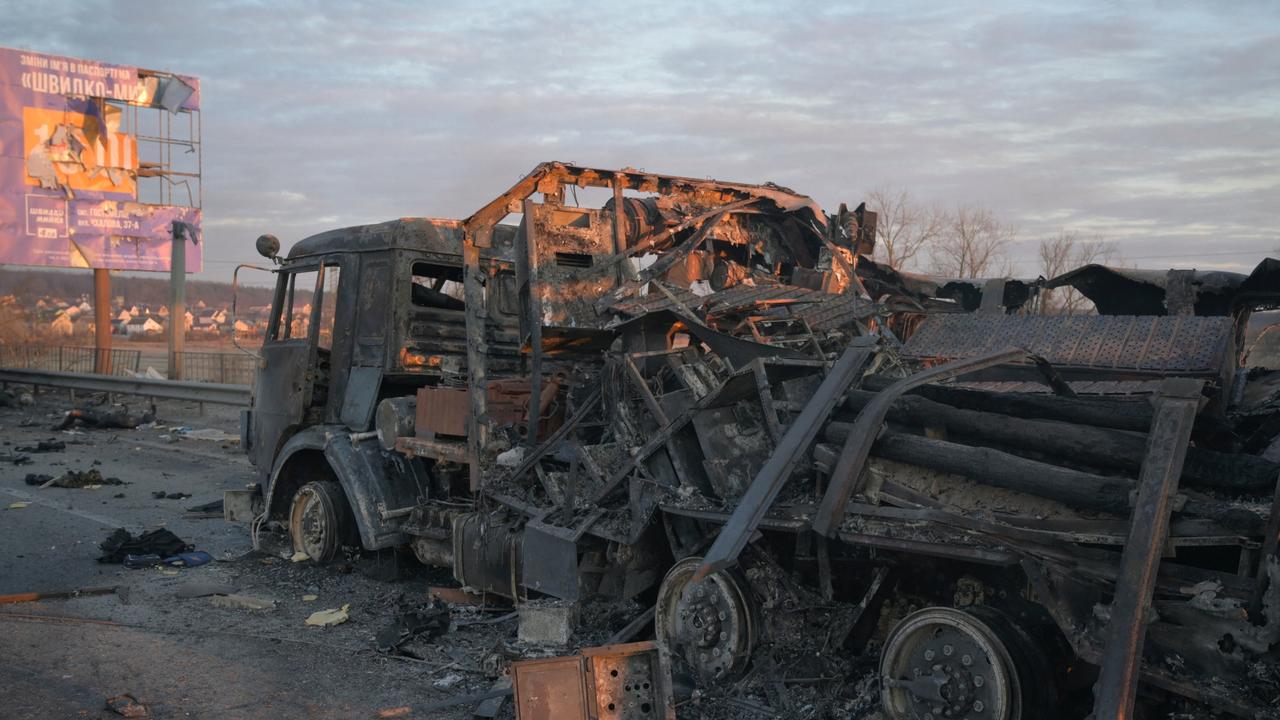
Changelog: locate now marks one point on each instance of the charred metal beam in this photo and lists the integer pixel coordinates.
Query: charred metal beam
(550, 443)
(477, 356)
(1176, 406)
(755, 502)
(529, 238)
(646, 394)
(846, 476)
(1270, 540)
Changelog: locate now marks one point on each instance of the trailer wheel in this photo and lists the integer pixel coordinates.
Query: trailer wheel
(948, 664)
(320, 521)
(709, 624)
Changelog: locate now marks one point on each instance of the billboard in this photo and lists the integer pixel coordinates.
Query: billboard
(70, 164)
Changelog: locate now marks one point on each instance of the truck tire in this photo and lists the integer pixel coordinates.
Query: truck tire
(320, 522)
(947, 663)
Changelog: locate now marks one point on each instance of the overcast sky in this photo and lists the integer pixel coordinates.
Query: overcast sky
(1153, 124)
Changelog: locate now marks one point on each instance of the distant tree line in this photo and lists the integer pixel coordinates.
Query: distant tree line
(968, 241)
(29, 285)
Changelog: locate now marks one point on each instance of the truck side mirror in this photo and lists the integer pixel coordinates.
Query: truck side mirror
(268, 246)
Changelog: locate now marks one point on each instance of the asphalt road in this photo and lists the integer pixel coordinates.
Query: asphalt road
(186, 658)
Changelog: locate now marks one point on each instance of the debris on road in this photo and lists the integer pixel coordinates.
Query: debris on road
(160, 543)
(10, 399)
(43, 446)
(17, 505)
(631, 681)
(98, 419)
(204, 589)
(242, 602)
(127, 706)
(329, 617)
(15, 458)
(90, 479)
(210, 434)
(55, 595)
(163, 495)
(422, 622)
(207, 510)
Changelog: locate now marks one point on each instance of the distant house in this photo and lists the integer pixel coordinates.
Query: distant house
(61, 324)
(124, 317)
(143, 325)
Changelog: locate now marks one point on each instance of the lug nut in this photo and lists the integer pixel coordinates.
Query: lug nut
(966, 660)
(978, 706)
(947, 650)
(978, 681)
(929, 654)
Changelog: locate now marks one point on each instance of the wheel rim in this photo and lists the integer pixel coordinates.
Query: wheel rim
(708, 623)
(310, 524)
(946, 664)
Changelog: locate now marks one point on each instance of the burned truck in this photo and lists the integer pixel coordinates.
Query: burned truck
(838, 487)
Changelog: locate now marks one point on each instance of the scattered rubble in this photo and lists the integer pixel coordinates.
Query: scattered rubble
(43, 446)
(329, 617)
(75, 479)
(242, 602)
(97, 418)
(422, 621)
(159, 543)
(127, 706)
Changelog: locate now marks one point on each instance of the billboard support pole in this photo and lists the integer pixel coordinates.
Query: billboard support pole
(177, 302)
(102, 321)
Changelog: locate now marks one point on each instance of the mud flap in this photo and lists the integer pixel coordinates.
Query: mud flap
(371, 491)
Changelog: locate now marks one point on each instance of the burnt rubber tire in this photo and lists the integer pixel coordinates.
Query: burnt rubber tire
(976, 658)
(320, 521)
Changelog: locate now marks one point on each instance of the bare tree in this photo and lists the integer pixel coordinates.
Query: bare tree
(1067, 251)
(972, 244)
(904, 227)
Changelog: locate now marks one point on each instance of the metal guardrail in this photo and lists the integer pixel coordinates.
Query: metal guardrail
(219, 367)
(67, 358)
(208, 392)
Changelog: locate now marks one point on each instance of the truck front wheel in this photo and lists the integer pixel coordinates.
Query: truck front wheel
(320, 521)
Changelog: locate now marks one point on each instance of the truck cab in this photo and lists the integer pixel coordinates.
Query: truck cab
(359, 314)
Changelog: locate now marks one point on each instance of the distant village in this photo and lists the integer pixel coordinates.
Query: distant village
(54, 318)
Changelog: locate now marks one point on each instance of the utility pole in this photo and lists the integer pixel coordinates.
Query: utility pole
(177, 301)
(102, 321)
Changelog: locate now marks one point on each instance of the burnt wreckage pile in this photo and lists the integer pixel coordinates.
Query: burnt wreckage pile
(816, 466)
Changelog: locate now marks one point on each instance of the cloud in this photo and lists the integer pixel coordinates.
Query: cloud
(1153, 126)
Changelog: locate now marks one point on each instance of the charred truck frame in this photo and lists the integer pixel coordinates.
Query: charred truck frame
(706, 396)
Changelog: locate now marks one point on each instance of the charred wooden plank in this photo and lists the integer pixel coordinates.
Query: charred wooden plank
(1082, 444)
(848, 470)
(1175, 411)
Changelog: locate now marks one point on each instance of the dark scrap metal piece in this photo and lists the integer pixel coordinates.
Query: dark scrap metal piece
(1176, 406)
(627, 682)
(1270, 540)
(768, 482)
(853, 456)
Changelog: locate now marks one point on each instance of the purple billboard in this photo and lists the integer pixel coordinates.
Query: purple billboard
(70, 165)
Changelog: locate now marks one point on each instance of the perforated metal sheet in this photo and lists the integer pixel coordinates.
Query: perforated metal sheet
(1173, 344)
